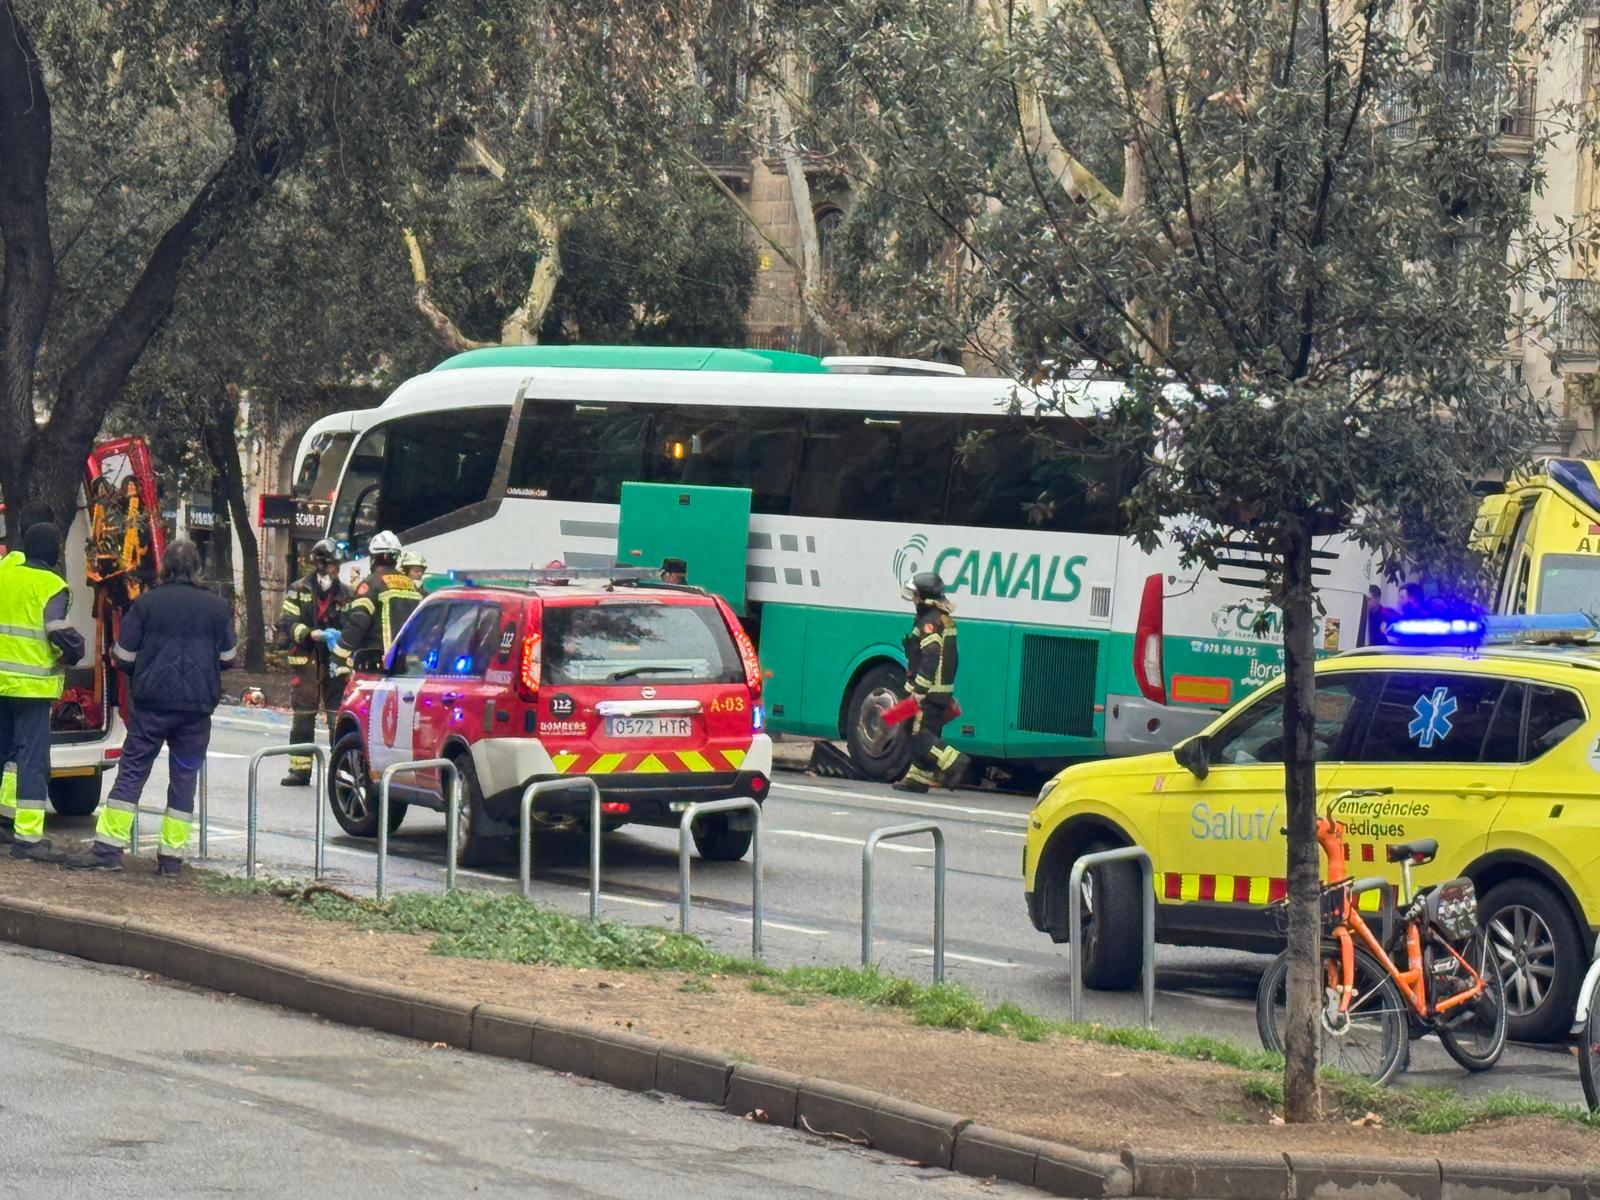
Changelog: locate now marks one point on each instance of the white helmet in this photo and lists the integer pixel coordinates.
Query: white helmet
(412, 558)
(384, 545)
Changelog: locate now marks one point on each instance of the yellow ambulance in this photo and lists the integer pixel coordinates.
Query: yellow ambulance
(1542, 537)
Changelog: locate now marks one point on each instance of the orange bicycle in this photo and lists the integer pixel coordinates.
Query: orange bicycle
(1450, 986)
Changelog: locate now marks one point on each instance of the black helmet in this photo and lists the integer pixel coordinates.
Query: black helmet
(924, 586)
(325, 551)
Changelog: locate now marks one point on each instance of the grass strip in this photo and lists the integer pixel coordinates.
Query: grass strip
(507, 928)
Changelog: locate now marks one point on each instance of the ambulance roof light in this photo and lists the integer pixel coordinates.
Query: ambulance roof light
(1468, 630)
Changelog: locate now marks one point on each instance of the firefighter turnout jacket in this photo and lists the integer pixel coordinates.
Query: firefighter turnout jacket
(382, 602)
(306, 610)
(931, 653)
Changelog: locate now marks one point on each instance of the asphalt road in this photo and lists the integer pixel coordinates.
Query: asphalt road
(121, 1086)
(813, 834)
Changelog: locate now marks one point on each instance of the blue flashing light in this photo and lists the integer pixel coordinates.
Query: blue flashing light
(431, 662)
(758, 718)
(462, 665)
(1436, 631)
(1542, 627)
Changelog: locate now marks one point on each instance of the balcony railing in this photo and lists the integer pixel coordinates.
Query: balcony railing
(1577, 334)
(722, 145)
(1514, 97)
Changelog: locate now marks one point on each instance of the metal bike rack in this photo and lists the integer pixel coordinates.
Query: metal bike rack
(888, 833)
(1075, 925)
(201, 805)
(525, 834)
(736, 804)
(452, 816)
(252, 801)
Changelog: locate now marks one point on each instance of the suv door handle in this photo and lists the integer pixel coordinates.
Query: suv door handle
(1478, 792)
(408, 696)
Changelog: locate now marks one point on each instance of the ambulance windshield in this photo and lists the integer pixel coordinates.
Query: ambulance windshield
(1569, 583)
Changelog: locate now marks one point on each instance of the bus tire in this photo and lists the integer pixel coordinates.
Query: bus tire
(1113, 935)
(880, 752)
(77, 796)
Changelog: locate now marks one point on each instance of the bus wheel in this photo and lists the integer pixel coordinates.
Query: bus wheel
(879, 751)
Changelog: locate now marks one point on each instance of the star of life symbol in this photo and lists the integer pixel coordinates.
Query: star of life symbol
(1433, 717)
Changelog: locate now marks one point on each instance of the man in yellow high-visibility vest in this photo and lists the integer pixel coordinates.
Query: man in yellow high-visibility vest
(37, 643)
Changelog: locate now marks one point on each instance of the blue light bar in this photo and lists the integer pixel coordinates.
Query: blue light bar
(1540, 628)
(1436, 631)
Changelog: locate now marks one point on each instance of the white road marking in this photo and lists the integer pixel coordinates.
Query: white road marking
(1009, 832)
(927, 952)
(607, 896)
(850, 841)
(789, 928)
(925, 806)
(224, 754)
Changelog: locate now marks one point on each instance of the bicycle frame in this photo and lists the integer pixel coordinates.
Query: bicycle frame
(1412, 980)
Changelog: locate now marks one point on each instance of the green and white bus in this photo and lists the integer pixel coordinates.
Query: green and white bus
(807, 491)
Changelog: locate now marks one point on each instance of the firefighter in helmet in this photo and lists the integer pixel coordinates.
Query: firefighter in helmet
(414, 564)
(930, 679)
(308, 625)
(382, 602)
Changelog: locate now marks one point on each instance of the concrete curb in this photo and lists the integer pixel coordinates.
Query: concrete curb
(817, 1106)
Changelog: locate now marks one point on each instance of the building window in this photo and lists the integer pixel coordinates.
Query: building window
(828, 223)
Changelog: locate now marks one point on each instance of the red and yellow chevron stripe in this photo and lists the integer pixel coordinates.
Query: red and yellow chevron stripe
(653, 762)
(1237, 889)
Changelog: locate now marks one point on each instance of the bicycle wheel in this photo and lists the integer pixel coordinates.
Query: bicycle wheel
(1369, 1041)
(1589, 1055)
(1477, 1036)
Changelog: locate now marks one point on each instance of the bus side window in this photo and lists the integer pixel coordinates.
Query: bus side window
(438, 463)
(1017, 473)
(582, 452)
(354, 518)
(876, 467)
(757, 448)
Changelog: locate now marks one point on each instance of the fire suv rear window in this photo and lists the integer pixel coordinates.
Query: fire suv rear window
(638, 643)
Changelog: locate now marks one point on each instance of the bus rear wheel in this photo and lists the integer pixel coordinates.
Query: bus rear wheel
(880, 752)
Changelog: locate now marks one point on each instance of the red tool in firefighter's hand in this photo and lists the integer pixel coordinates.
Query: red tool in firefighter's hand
(905, 709)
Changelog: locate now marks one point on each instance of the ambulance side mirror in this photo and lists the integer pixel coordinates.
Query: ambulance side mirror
(1194, 755)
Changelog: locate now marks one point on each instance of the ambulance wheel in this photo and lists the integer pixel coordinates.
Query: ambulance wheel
(350, 792)
(1542, 959)
(880, 752)
(476, 849)
(75, 797)
(716, 842)
(1113, 950)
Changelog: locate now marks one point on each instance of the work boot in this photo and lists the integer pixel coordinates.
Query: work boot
(40, 851)
(956, 776)
(168, 866)
(296, 779)
(909, 784)
(7, 833)
(97, 856)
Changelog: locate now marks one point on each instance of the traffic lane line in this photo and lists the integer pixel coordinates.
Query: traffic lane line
(927, 952)
(811, 835)
(932, 807)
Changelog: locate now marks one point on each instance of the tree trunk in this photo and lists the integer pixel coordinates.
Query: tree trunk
(223, 448)
(1302, 1028)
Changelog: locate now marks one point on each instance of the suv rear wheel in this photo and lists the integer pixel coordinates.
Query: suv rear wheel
(1541, 957)
(879, 751)
(75, 797)
(350, 792)
(717, 841)
(476, 849)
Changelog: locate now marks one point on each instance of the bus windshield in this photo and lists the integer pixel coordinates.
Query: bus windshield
(1569, 583)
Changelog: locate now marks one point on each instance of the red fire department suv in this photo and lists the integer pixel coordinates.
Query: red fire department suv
(651, 689)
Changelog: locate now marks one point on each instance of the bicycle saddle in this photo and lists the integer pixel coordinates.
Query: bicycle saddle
(1420, 851)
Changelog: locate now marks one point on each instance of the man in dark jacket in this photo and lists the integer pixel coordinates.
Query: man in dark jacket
(308, 624)
(175, 641)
